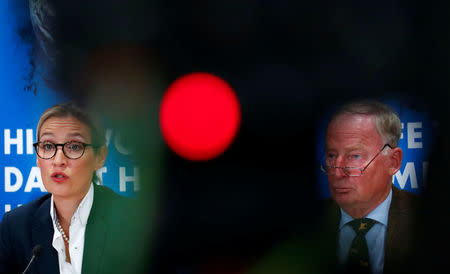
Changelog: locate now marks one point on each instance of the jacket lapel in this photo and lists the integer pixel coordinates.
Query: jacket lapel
(95, 236)
(391, 232)
(329, 239)
(42, 234)
(398, 235)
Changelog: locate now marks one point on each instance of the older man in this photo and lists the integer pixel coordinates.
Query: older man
(375, 218)
(369, 225)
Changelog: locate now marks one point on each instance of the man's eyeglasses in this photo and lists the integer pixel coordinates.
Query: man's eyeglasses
(351, 171)
(72, 149)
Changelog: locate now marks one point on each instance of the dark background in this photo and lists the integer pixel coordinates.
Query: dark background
(288, 62)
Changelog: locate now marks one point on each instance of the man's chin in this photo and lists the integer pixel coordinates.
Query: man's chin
(343, 197)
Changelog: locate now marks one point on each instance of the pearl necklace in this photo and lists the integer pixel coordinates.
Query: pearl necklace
(62, 231)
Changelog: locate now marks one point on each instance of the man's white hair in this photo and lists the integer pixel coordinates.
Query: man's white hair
(387, 121)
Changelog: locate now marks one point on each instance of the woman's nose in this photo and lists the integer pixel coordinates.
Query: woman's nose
(59, 158)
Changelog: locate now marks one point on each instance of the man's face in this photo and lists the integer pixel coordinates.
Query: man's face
(353, 139)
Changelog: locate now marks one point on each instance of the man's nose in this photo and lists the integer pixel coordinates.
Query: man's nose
(339, 161)
(339, 172)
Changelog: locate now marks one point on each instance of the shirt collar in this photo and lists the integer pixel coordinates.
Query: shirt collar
(81, 214)
(379, 214)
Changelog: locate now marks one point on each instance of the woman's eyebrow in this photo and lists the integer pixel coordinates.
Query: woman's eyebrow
(76, 135)
(47, 134)
(71, 135)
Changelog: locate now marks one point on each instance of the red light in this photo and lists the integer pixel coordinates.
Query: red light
(199, 116)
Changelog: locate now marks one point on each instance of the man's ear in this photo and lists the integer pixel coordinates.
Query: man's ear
(101, 156)
(396, 156)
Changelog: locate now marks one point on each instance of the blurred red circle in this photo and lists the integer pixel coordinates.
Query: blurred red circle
(199, 116)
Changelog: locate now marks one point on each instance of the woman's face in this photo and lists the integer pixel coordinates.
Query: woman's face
(64, 177)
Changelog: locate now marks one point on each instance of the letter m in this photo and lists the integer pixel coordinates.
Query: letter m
(408, 172)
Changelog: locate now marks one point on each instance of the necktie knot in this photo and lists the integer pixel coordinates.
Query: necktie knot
(362, 226)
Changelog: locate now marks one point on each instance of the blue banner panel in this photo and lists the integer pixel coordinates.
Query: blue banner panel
(24, 96)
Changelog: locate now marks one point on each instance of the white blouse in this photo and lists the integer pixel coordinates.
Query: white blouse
(76, 235)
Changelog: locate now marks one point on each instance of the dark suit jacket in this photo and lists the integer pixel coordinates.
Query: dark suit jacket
(402, 233)
(104, 250)
(316, 251)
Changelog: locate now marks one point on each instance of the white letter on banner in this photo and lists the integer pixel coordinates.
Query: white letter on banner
(120, 148)
(412, 135)
(35, 180)
(108, 135)
(409, 172)
(99, 173)
(13, 141)
(8, 207)
(401, 134)
(9, 170)
(29, 135)
(124, 179)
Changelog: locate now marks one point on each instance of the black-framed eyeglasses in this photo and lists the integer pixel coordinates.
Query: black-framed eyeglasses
(352, 171)
(72, 150)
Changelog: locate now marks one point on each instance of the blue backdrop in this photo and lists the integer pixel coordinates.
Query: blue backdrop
(24, 96)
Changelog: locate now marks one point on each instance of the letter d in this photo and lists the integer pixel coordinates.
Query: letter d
(19, 179)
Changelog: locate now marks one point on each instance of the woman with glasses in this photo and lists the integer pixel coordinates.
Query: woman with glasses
(76, 227)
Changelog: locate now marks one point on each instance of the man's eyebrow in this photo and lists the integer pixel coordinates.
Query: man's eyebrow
(355, 147)
(351, 147)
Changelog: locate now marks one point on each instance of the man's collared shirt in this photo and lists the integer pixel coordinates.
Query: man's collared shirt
(375, 237)
(76, 235)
